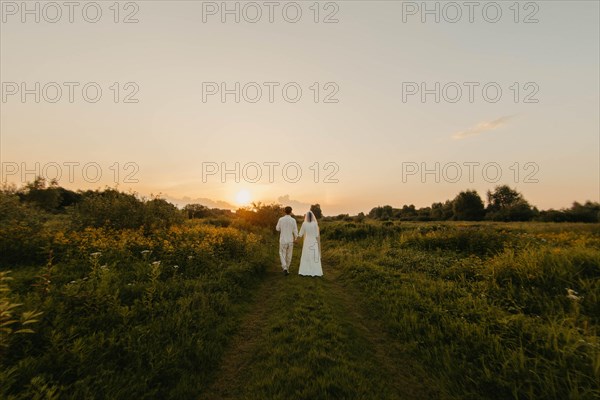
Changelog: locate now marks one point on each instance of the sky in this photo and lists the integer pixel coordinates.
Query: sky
(349, 104)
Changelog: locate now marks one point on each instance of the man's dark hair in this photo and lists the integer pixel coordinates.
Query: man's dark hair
(288, 210)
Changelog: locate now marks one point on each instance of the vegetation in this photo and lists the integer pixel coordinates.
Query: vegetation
(504, 204)
(130, 301)
(113, 296)
(468, 206)
(316, 210)
(492, 311)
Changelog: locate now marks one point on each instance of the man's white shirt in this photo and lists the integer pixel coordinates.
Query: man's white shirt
(288, 228)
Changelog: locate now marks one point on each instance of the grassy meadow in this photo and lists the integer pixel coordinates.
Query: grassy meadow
(494, 311)
(199, 309)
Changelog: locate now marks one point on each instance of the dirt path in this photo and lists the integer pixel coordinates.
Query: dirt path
(310, 338)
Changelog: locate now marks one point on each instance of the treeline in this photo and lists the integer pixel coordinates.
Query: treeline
(108, 208)
(503, 204)
(111, 208)
(115, 209)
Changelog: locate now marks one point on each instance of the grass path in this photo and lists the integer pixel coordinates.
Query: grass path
(237, 358)
(309, 338)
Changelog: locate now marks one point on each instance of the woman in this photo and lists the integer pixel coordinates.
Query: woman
(310, 261)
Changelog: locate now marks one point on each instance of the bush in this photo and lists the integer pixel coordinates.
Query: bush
(263, 215)
(117, 210)
(469, 239)
(23, 238)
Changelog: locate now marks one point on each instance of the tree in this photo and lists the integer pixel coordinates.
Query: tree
(360, 217)
(502, 197)
(442, 211)
(159, 213)
(506, 204)
(424, 214)
(259, 214)
(38, 193)
(587, 212)
(385, 212)
(316, 209)
(468, 206)
(109, 208)
(552, 215)
(52, 198)
(196, 211)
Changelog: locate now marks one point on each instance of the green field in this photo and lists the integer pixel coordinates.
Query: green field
(199, 309)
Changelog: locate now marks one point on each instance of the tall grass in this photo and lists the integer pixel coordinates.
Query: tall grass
(492, 313)
(131, 315)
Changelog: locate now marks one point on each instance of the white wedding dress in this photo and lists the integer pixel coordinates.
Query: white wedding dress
(310, 261)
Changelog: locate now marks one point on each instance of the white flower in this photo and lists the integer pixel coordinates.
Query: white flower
(175, 266)
(571, 294)
(156, 263)
(96, 254)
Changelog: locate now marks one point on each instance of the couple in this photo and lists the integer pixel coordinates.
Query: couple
(310, 261)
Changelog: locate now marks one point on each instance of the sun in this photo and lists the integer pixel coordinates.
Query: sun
(243, 197)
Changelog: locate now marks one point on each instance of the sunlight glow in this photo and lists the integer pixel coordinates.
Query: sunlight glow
(243, 197)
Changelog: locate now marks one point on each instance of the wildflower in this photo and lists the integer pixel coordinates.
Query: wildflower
(571, 294)
(156, 263)
(144, 252)
(72, 282)
(175, 267)
(96, 254)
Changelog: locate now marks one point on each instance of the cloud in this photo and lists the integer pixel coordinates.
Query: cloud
(482, 127)
(181, 202)
(298, 206)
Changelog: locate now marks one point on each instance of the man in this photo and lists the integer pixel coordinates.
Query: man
(288, 234)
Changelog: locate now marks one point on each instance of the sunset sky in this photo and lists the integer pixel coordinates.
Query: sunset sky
(369, 145)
